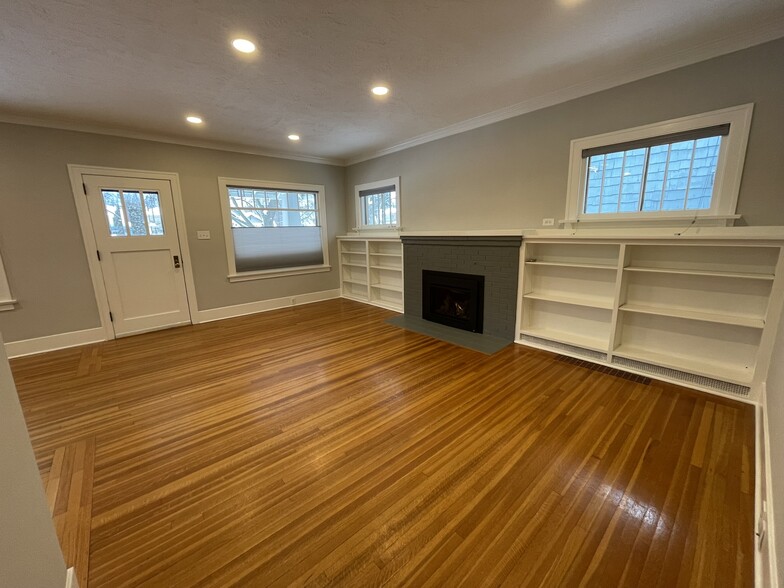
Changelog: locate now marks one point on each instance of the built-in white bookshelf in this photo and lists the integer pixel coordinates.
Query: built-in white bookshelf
(371, 270)
(699, 311)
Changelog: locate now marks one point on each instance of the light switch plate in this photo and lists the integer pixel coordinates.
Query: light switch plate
(202, 235)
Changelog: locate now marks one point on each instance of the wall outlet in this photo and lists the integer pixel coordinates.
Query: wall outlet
(202, 235)
(548, 222)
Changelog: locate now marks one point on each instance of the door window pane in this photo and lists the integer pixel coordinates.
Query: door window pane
(152, 205)
(115, 215)
(133, 205)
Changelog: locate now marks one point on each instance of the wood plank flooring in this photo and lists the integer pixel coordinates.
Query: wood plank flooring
(69, 491)
(320, 446)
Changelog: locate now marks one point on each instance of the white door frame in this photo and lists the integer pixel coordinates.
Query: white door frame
(76, 172)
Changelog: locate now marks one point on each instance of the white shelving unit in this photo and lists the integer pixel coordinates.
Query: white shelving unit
(699, 310)
(371, 270)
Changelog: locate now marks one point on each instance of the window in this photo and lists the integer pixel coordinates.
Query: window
(133, 213)
(378, 204)
(684, 169)
(6, 300)
(273, 228)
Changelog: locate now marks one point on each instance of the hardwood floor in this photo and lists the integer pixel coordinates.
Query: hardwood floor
(321, 446)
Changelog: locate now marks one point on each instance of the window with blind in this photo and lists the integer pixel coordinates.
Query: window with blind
(378, 204)
(687, 168)
(273, 228)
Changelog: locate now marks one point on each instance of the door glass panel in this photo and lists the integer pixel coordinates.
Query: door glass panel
(115, 215)
(152, 205)
(133, 204)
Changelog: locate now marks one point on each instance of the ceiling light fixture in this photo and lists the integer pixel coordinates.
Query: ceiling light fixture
(380, 90)
(194, 120)
(244, 45)
(294, 137)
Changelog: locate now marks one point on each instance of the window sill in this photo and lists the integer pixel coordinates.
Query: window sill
(7, 305)
(386, 229)
(678, 220)
(262, 275)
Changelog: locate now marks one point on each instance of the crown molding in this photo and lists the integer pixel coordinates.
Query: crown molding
(737, 41)
(716, 48)
(144, 136)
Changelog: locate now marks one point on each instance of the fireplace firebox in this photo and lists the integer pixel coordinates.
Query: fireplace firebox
(455, 300)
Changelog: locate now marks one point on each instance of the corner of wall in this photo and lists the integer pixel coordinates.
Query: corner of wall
(765, 565)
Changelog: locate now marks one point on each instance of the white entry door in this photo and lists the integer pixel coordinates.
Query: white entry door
(138, 248)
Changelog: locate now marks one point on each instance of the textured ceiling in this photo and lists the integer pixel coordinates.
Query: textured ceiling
(138, 66)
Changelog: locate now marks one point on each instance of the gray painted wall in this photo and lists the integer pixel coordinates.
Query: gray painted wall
(41, 241)
(29, 551)
(514, 173)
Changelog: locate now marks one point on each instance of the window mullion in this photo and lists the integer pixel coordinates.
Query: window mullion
(688, 179)
(601, 187)
(644, 182)
(620, 184)
(664, 178)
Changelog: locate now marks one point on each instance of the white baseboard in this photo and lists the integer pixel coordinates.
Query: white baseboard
(70, 578)
(765, 566)
(216, 314)
(53, 342)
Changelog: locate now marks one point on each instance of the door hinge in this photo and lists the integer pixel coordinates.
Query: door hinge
(99, 254)
(111, 316)
(84, 187)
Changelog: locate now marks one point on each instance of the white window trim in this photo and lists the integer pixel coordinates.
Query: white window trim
(728, 170)
(358, 204)
(234, 276)
(6, 300)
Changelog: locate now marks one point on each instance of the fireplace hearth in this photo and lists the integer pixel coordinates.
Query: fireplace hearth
(452, 299)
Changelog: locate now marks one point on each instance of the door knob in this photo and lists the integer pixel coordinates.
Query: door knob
(176, 261)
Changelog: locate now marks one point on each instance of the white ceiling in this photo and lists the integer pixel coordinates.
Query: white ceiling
(137, 67)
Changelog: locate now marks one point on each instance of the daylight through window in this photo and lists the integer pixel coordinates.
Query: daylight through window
(378, 204)
(676, 172)
(274, 228)
(658, 174)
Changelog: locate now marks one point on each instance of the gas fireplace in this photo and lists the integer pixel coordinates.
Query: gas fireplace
(455, 300)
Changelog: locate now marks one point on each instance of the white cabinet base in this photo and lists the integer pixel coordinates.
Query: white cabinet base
(371, 271)
(698, 311)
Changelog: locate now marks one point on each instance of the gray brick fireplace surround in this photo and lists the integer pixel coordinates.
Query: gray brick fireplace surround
(495, 258)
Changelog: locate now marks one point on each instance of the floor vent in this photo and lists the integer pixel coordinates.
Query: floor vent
(718, 385)
(582, 351)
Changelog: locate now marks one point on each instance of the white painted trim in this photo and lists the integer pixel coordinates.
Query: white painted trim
(76, 173)
(223, 190)
(54, 342)
(70, 578)
(263, 275)
(97, 129)
(623, 368)
(6, 299)
(737, 41)
(463, 233)
(358, 209)
(224, 312)
(765, 564)
(651, 233)
(729, 169)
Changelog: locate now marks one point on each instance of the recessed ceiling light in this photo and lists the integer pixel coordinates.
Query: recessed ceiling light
(294, 137)
(380, 90)
(244, 45)
(194, 120)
